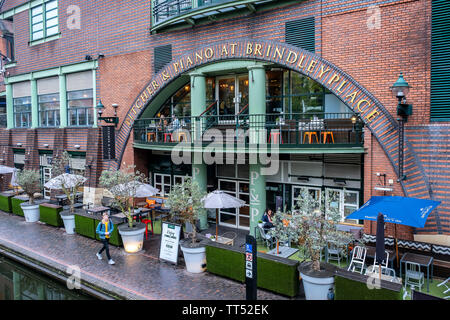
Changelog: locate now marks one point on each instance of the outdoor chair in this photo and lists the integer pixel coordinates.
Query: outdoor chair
(413, 276)
(270, 241)
(358, 259)
(385, 271)
(384, 263)
(334, 252)
(446, 285)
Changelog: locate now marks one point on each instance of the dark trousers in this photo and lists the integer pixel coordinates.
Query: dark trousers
(105, 247)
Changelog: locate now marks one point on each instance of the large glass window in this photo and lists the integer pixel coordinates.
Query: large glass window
(44, 20)
(22, 112)
(80, 106)
(49, 110)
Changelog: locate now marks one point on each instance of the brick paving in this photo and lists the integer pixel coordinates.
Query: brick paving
(134, 276)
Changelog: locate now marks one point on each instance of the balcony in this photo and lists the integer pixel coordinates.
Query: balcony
(323, 132)
(182, 13)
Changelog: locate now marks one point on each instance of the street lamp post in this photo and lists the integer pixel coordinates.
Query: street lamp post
(400, 89)
(114, 119)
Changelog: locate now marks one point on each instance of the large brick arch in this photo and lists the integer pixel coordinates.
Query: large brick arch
(375, 116)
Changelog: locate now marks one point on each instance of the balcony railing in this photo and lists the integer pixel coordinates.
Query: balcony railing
(297, 130)
(166, 12)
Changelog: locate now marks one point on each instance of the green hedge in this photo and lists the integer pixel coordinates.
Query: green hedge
(15, 205)
(51, 215)
(85, 226)
(5, 202)
(279, 275)
(352, 289)
(114, 239)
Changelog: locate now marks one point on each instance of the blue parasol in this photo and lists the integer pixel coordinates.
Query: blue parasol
(400, 210)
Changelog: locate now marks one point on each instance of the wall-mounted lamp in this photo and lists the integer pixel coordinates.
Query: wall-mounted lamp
(46, 145)
(87, 57)
(303, 178)
(19, 144)
(77, 146)
(100, 108)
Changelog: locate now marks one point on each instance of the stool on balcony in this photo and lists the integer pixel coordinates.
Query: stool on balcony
(181, 134)
(326, 135)
(310, 134)
(151, 136)
(168, 135)
(276, 137)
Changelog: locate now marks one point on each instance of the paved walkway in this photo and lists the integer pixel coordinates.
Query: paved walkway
(135, 276)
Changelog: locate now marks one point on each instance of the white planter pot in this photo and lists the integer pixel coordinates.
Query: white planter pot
(132, 239)
(195, 259)
(316, 288)
(31, 212)
(69, 223)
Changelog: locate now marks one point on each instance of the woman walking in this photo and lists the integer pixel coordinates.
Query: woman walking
(104, 229)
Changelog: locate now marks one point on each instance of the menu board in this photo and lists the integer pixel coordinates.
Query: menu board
(170, 239)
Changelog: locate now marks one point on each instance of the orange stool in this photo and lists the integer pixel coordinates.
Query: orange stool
(310, 134)
(151, 136)
(326, 135)
(168, 135)
(180, 134)
(147, 221)
(276, 136)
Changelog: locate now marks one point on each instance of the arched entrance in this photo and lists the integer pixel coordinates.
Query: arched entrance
(375, 116)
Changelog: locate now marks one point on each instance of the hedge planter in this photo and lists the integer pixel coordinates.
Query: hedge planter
(49, 214)
(194, 256)
(5, 201)
(68, 219)
(317, 284)
(30, 211)
(132, 238)
(15, 204)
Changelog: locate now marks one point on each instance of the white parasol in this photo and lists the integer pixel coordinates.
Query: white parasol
(134, 189)
(6, 170)
(65, 180)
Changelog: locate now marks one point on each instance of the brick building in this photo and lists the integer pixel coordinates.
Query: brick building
(311, 78)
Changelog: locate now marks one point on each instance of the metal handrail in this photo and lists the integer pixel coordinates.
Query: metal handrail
(209, 107)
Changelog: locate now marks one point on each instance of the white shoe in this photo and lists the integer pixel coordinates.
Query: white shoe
(111, 261)
(99, 256)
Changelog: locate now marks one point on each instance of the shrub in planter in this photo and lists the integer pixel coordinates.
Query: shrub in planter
(185, 202)
(317, 222)
(30, 182)
(123, 185)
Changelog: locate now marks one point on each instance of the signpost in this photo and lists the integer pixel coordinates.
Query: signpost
(170, 239)
(109, 142)
(250, 267)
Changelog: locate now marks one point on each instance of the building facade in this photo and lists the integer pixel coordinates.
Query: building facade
(258, 98)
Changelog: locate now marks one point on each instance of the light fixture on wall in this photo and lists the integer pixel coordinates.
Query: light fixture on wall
(100, 108)
(340, 181)
(46, 145)
(77, 146)
(19, 144)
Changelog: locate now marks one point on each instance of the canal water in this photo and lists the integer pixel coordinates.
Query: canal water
(18, 282)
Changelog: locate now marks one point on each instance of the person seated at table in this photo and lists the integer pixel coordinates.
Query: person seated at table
(267, 219)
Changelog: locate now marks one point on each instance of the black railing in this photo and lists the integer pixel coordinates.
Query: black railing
(285, 130)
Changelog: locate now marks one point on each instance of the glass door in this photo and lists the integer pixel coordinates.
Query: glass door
(46, 176)
(227, 217)
(345, 201)
(226, 96)
(244, 212)
(163, 183)
(314, 191)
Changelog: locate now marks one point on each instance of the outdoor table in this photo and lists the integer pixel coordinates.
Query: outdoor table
(97, 210)
(138, 215)
(371, 254)
(423, 261)
(285, 252)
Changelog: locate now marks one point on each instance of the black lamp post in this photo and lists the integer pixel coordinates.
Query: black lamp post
(400, 89)
(114, 119)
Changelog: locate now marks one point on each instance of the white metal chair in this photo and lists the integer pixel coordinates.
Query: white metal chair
(384, 263)
(266, 237)
(384, 271)
(446, 285)
(358, 259)
(413, 276)
(334, 252)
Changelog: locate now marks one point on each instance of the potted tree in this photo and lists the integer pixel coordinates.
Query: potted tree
(68, 183)
(317, 227)
(185, 202)
(123, 185)
(30, 182)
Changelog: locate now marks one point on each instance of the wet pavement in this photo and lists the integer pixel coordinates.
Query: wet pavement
(134, 276)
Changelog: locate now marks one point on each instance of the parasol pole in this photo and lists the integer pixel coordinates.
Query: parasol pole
(396, 243)
(217, 223)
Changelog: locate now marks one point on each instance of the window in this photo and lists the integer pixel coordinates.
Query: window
(345, 202)
(162, 182)
(3, 112)
(49, 110)
(22, 112)
(44, 20)
(80, 106)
